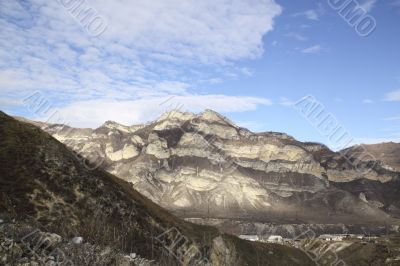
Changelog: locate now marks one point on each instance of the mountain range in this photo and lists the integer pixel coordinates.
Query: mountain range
(56, 210)
(205, 169)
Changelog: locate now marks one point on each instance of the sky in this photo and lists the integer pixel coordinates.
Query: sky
(89, 61)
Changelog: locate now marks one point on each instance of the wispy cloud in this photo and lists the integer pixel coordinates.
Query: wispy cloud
(313, 49)
(393, 96)
(311, 14)
(150, 49)
(286, 102)
(296, 36)
(368, 101)
(368, 5)
(247, 71)
(6, 102)
(145, 109)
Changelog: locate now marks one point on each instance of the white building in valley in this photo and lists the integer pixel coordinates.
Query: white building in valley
(332, 237)
(250, 237)
(275, 239)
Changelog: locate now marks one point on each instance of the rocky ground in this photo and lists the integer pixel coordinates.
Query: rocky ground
(24, 245)
(354, 252)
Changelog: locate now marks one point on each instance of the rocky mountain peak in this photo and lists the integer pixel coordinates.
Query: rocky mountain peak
(213, 116)
(207, 115)
(110, 123)
(176, 115)
(114, 125)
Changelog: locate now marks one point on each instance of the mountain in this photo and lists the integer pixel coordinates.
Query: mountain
(388, 153)
(48, 195)
(204, 168)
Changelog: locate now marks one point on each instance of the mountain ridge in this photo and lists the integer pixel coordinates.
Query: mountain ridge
(44, 184)
(205, 166)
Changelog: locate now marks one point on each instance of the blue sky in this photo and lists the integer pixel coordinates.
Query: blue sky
(248, 59)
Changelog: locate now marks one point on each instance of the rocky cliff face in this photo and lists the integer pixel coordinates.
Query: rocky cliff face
(205, 166)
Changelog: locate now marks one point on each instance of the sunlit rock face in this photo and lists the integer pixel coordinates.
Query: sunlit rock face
(205, 166)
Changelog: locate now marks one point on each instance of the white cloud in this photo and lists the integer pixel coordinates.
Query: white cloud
(150, 49)
(312, 50)
(6, 102)
(286, 102)
(202, 30)
(393, 96)
(247, 72)
(296, 36)
(311, 14)
(368, 5)
(368, 101)
(93, 113)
